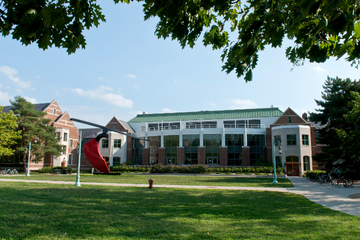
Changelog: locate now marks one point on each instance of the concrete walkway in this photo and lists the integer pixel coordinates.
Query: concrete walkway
(323, 194)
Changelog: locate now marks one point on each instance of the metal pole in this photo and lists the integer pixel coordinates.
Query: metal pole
(274, 162)
(77, 183)
(28, 166)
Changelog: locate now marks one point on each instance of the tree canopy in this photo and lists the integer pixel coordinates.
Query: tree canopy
(337, 95)
(350, 137)
(319, 29)
(8, 132)
(35, 128)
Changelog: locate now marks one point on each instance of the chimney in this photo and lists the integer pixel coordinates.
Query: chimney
(305, 116)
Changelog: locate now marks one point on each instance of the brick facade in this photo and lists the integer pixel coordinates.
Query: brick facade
(161, 153)
(223, 156)
(180, 155)
(246, 156)
(201, 155)
(145, 160)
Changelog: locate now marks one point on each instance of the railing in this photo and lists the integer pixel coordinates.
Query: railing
(253, 126)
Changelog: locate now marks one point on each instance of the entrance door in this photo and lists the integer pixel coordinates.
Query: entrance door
(170, 161)
(292, 166)
(212, 161)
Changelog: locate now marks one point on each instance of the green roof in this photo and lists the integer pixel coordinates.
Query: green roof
(208, 115)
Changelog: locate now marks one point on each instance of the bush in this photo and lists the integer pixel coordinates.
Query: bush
(69, 169)
(156, 168)
(45, 170)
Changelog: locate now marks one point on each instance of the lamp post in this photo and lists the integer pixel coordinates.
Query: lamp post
(77, 183)
(28, 166)
(274, 161)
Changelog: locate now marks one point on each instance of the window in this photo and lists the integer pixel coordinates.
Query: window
(234, 143)
(54, 111)
(278, 161)
(154, 145)
(153, 127)
(65, 137)
(291, 140)
(105, 143)
(191, 143)
(106, 159)
(289, 120)
(71, 143)
(58, 135)
(254, 123)
(209, 124)
(212, 143)
(116, 161)
(305, 140)
(113, 126)
(277, 140)
(139, 146)
(306, 163)
(171, 145)
(240, 124)
(174, 125)
(193, 125)
(256, 142)
(70, 159)
(117, 143)
(63, 149)
(229, 124)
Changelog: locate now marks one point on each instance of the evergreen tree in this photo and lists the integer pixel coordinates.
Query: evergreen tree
(8, 133)
(35, 129)
(335, 104)
(350, 137)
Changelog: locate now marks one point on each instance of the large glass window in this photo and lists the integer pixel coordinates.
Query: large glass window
(255, 123)
(212, 143)
(277, 140)
(291, 140)
(193, 125)
(139, 146)
(116, 161)
(240, 123)
(306, 163)
(153, 127)
(229, 124)
(256, 142)
(278, 161)
(154, 144)
(191, 143)
(209, 124)
(70, 159)
(117, 143)
(105, 143)
(171, 145)
(234, 143)
(305, 140)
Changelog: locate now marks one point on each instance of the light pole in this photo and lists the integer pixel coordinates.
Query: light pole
(77, 183)
(28, 166)
(274, 161)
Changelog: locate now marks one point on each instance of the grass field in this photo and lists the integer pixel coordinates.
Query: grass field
(203, 180)
(46, 211)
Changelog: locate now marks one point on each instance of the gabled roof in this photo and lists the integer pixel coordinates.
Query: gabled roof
(208, 115)
(123, 125)
(38, 107)
(295, 118)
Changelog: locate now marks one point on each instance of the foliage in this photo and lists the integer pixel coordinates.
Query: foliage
(35, 129)
(335, 104)
(69, 169)
(350, 136)
(315, 172)
(8, 132)
(51, 169)
(319, 29)
(49, 23)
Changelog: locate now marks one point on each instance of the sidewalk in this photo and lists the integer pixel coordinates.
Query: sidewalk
(323, 194)
(327, 195)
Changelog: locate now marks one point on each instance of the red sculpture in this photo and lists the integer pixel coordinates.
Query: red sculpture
(92, 153)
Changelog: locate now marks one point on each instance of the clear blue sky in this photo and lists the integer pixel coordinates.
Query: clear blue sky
(126, 70)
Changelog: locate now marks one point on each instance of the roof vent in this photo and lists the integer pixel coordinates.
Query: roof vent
(144, 113)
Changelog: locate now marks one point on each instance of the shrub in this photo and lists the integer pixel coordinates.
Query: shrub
(156, 168)
(46, 170)
(246, 169)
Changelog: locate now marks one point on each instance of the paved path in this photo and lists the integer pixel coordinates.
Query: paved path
(323, 194)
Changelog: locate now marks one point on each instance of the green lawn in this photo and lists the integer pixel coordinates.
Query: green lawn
(203, 180)
(47, 211)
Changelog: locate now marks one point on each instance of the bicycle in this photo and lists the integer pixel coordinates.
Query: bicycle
(346, 182)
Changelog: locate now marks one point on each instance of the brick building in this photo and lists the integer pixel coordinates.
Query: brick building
(240, 137)
(66, 132)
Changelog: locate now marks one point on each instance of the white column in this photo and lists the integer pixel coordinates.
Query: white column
(245, 136)
(223, 138)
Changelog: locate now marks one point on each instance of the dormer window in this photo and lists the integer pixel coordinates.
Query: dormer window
(289, 120)
(54, 111)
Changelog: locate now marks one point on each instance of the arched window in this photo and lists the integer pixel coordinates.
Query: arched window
(306, 163)
(116, 161)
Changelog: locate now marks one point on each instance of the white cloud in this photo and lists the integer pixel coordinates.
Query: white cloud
(4, 98)
(319, 69)
(101, 78)
(32, 100)
(103, 93)
(131, 76)
(167, 110)
(239, 103)
(136, 86)
(38, 77)
(10, 73)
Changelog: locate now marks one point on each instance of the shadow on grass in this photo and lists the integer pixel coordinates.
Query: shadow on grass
(36, 211)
